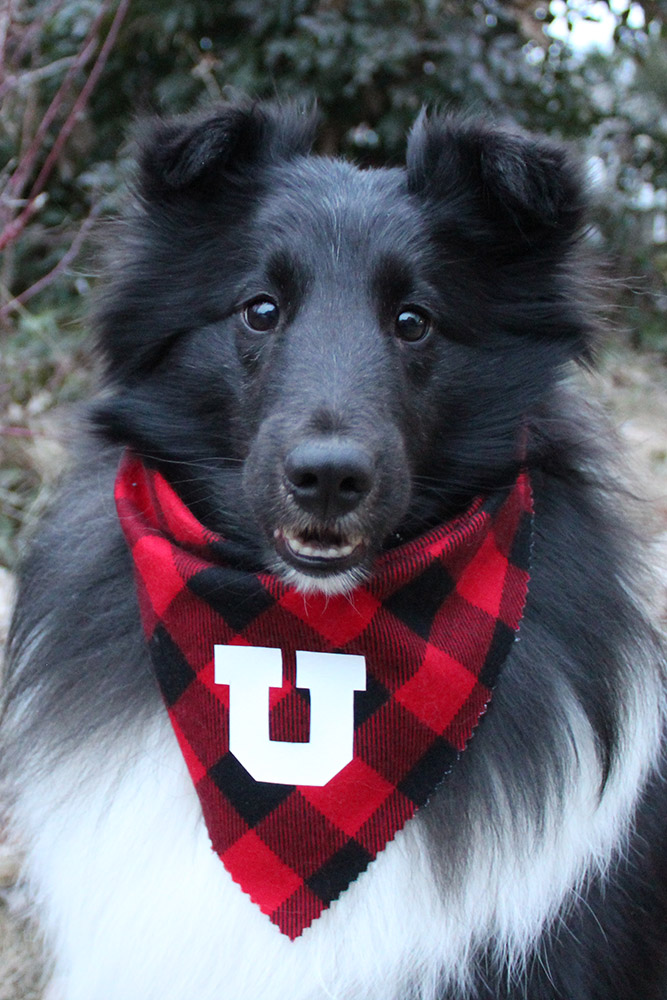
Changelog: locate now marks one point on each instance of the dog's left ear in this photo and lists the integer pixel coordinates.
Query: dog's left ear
(494, 183)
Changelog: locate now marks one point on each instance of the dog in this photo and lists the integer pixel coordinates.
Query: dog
(315, 367)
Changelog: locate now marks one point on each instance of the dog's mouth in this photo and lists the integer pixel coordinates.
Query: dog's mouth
(320, 552)
(324, 509)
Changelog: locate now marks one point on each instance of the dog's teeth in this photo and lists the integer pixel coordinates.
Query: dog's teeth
(319, 551)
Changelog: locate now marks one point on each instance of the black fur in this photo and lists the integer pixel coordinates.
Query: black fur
(483, 233)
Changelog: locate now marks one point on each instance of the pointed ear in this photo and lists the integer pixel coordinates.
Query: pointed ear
(502, 185)
(182, 154)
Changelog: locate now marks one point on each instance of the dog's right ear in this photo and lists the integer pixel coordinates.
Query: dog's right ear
(183, 155)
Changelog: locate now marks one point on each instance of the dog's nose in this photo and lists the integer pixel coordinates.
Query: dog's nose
(329, 476)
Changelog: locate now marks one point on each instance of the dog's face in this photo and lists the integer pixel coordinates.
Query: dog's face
(325, 360)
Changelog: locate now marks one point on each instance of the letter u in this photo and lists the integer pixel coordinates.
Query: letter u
(332, 679)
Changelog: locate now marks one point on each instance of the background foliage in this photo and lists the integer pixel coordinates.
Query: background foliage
(74, 73)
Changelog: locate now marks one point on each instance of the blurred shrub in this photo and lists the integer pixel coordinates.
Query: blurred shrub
(371, 64)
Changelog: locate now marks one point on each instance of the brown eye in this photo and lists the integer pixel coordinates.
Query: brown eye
(261, 315)
(412, 325)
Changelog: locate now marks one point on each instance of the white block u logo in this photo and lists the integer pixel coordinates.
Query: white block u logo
(332, 679)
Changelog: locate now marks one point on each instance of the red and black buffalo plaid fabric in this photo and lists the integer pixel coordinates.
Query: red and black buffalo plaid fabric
(434, 622)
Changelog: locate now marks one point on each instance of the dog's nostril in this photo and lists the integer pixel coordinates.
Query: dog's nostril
(305, 481)
(329, 476)
(350, 485)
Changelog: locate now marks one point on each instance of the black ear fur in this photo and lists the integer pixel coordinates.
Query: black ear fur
(177, 155)
(492, 175)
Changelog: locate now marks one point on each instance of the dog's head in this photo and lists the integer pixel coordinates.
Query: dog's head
(323, 359)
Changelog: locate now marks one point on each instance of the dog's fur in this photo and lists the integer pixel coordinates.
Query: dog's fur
(538, 869)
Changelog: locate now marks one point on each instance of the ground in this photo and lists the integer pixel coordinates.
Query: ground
(634, 390)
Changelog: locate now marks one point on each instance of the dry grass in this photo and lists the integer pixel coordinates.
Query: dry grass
(20, 960)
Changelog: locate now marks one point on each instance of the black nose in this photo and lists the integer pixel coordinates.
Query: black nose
(329, 476)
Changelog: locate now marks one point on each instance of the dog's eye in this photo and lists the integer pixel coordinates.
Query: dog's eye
(261, 315)
(412, 325)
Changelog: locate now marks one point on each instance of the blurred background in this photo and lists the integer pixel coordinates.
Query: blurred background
(74, 74)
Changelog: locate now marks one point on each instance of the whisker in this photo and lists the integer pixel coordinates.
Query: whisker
(213, 461)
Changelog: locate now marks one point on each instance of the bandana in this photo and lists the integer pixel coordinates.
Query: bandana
(313, 727)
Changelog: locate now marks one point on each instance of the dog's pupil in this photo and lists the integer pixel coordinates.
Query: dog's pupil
(262, 315)
(411, 325)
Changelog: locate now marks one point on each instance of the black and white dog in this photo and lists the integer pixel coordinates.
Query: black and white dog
(325, 362)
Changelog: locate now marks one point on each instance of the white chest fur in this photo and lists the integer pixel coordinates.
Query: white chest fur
(136, 906)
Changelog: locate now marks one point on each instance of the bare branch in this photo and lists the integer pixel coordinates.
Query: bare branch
(68, 258)
(14, 228)
(24, 168)
(32, 32)
(17, 81)
(6, 14)
(20, 432)
(82, 99)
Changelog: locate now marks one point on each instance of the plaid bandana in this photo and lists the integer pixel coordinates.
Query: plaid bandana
(314, 727)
